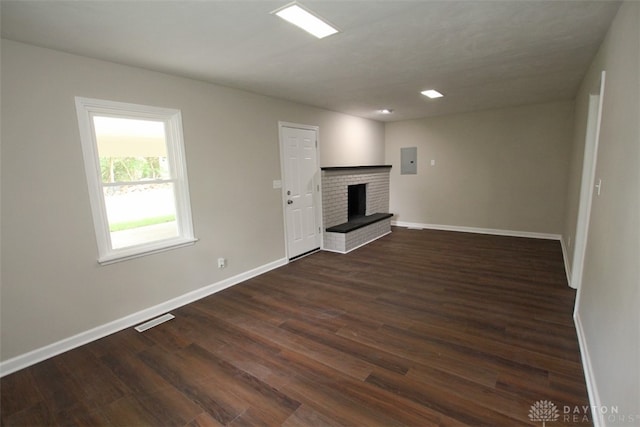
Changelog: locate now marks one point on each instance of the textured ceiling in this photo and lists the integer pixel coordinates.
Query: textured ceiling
(480, 54)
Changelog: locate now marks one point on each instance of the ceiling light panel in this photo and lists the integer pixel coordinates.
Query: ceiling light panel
(431, 93)
(302, 18)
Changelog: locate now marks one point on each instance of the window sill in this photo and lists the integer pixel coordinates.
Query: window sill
(140, 251)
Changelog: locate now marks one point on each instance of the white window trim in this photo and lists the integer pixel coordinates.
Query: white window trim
(86, 108)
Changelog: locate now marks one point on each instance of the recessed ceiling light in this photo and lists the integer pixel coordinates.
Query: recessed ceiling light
(301, 17)
(432, 93)
(385, 111)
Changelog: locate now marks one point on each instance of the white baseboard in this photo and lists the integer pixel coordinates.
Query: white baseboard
(334, 251)
(592, 390)
(565, 258)
(19, 362)
(493, 231)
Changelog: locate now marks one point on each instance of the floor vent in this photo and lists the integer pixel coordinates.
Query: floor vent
(154, 322)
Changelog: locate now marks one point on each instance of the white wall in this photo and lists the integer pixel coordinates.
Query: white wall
(52, 286)
(500, 169)
(607, 313)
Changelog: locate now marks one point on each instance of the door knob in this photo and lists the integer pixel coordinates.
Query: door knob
(289, 202)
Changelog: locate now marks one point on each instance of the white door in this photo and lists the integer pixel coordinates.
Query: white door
(300, 189)
(587, 183)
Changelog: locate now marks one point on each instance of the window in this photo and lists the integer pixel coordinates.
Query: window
(137, 177)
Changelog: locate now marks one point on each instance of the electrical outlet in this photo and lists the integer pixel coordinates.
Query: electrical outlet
(222, 262)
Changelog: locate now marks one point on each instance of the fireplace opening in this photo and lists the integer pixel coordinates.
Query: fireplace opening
(357, 201)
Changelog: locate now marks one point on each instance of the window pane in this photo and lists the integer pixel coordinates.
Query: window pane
(140, 213)
(131, 149)
(136, 167)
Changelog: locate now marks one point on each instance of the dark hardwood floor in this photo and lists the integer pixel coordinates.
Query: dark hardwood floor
(418, 328)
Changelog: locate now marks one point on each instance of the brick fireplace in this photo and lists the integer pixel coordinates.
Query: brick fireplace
(343, 234)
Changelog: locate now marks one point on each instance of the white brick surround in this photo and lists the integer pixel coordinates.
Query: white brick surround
(335, 205)
(346, 242)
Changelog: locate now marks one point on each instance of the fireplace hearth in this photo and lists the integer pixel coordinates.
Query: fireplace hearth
(355, 205)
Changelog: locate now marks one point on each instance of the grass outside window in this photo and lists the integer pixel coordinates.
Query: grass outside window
(127, 225)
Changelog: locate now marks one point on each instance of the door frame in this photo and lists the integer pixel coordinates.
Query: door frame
(317, 181)
(590, 160)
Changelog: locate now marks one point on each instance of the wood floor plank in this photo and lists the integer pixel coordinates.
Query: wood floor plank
(344, 363)
(509, 404)
(60, 392)
(498, 349)
(130, 411)
(37, 415)
(128, 340)
(363, 352)
(203, 320)
(329, 401)
(165, 407)
(523, 385)
(23, 394)
(204, 420)
(96, 383)
(170, 335)
(137, 375)
(448, 357)
(418, 328)
(307, 417)
(263, 398)
(443, 399)
(402, 409)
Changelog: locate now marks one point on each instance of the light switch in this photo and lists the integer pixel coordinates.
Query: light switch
(277, 183)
